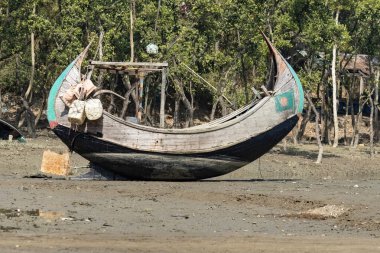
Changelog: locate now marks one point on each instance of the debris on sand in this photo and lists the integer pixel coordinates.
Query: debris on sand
(325, 212)
(56, 164)
(67, 219)
(37, 175)
(7, 229)
(11, 213)
(51, 215)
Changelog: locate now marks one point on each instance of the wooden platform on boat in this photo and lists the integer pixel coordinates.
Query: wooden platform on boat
(130, 68)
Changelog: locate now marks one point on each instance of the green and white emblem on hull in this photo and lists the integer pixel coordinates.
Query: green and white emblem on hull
(284, 101)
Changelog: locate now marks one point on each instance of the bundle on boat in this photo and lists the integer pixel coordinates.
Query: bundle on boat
(139, 151)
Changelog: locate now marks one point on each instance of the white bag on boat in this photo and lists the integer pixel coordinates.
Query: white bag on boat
(93, 109)
(76, 112)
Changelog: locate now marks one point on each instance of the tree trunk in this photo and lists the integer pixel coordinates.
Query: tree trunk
(213, 110)
(157, 15)
(353, 120)
(1, 105)
(187, 104)
(191, 95)
(334, 84)
(303, 125)
(295, 134)
(131, 16)
(223, 105)
(317, 134)
(371, 132)
(325, 116)
(7, 9)
(59, 15)
(149, 121)
(243, 70)
(112, 105)
(29, 117)
(19, 121)
(359, 116)
(127, 94)
(285, 144)
(33, 58)
(361, 91)
(376, 103)
(100, 47)
(127, 101)
(41, 109)
(177, 103)
(190, 112)
(190, 116)
(131, 91)
(346, 117)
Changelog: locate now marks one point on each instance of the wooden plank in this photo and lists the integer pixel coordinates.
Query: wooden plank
(130, 64)
(130, 71)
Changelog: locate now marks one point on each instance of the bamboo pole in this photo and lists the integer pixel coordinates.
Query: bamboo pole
(209, 84)
(163, 98)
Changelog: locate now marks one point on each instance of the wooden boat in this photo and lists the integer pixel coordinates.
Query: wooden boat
(219, 147)
(7, 129)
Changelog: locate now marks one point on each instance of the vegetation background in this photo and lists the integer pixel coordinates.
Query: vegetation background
(220, 40)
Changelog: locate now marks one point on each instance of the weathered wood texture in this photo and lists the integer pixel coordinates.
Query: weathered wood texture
(135, 164)
(181, 141)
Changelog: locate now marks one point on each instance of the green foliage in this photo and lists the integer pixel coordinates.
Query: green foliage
(219, 39)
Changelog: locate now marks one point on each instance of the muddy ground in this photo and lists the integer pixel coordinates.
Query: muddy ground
(263, 207)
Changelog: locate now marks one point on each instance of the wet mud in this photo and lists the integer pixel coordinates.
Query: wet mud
(283, 202)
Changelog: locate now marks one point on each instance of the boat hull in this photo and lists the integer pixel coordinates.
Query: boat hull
(134, 164)
(7, 129)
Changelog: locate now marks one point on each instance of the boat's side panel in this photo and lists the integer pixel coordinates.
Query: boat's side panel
(153, 166)
(269, 115)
